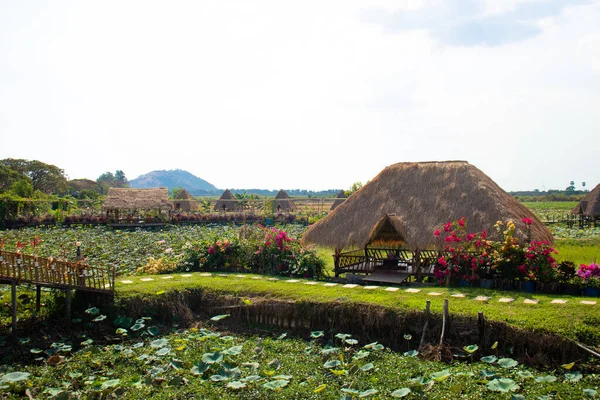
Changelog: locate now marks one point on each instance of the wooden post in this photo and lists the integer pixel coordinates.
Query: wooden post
(336, 262)
(417, 265)
(38, 298)
(68, 306)
(427, 307)
(481, 326)
(14, 307)
(444, 318)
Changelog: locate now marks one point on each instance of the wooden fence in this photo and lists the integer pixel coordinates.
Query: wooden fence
(56, 273)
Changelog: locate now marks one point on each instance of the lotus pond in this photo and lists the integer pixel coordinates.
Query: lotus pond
(148, 361)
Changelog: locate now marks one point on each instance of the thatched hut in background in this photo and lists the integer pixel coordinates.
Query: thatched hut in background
(227, 202)
(283, 203)
(588, 208)
(340, 198)
(121, 200)
(410, 200)
(185, 201)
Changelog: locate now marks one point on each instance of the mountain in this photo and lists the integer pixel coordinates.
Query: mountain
(173, 179)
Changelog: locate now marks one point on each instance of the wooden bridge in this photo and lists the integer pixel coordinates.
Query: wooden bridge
(17, 269)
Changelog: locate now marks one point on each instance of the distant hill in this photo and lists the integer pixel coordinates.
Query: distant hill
(174, 179)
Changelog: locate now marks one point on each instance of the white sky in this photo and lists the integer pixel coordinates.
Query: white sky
(311, 94)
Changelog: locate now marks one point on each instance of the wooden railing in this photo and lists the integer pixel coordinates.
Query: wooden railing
(51, 272)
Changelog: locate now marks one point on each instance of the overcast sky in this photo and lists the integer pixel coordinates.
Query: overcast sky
(310, 94)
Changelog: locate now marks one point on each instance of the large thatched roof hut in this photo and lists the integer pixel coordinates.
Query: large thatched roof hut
(185, 201)
(283, 203)
(137, 199)
(227, 202)
(408, 201)
(340, 198)
(589, 206)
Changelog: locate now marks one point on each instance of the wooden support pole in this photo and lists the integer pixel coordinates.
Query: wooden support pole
(38, 298)
(425, 326)
(444, 319)
(14, 308)
(68, 306)
(481, 326)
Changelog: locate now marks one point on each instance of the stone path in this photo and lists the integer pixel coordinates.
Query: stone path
(505, 300)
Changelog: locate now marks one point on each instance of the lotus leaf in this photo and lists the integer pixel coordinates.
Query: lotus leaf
(507, 363)
(351, 341)
(525, 374)
(137, 327)
(367, 367)
(200, 368)
(93, 311)
(401, 392)
(233, 351)
(236, 385)
(360, 354)
(489, 359)
(109, 384)
(342, 336)
(15, 377)
(211, 358)
(573, 376)
(251, 378)
(153, 331)
(502, 385)
(471, 348)
(282, 336)
(332, 364)
(545, 379)
(316, 334)
(275, 385)
(330, 350)
(411, 353)
(285, 377)
(158, 343)
(441, 375)
(590, 392)
(367, 393)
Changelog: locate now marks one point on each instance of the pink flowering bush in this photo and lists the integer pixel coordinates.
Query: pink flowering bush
(471, 256)
(589, 275)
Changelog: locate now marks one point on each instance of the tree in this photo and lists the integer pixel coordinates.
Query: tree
(23, 188)
(120, 179)
(571, 188)
(355, 186)
(8, 177)
(45, 177)
(108, 180)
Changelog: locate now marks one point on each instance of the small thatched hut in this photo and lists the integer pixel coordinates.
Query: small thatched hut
(589, 206)
(185, 201)
(408, 201)
(227, 202)
(340, 198)
(283, 203)
(127, 199)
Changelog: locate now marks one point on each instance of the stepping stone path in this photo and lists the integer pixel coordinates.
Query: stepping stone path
(458, 295)
(482, 298)
(206, 274)
(556, 301)
(310, 283)
(224, 275)
(529, 301)
(146, 279)
(350, 285)
(126, 282)
(506, 300)
(292, 280)
(434, 294)
(413, 290)
(391, 289)
(167, 277)
(186, 275)
(240, 276)
(589, 303)
(272, 279)
(255, 277)
(330, 284)
(371, 287)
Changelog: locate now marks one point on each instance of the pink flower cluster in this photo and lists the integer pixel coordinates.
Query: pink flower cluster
(586, 272)
(280, 237)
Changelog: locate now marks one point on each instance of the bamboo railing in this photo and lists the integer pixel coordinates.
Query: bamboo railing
(52, 272)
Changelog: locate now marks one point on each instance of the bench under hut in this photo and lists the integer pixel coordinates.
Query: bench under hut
(126, 204)
(588, 208)
(404, 205)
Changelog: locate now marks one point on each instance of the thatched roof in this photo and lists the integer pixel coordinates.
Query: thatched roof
(340, 198)
(227, 202)
(137, 199)
(184, 195)
(283, 202)
(589, 206)
(418, 198)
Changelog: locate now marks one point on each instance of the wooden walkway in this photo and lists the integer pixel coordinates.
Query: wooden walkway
(18, 269)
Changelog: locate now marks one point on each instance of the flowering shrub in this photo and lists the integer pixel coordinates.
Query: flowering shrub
(471, 256)
(157, 266)
(589, 274)
(255, 249)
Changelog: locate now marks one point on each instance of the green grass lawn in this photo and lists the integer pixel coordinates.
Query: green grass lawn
(572, 320)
